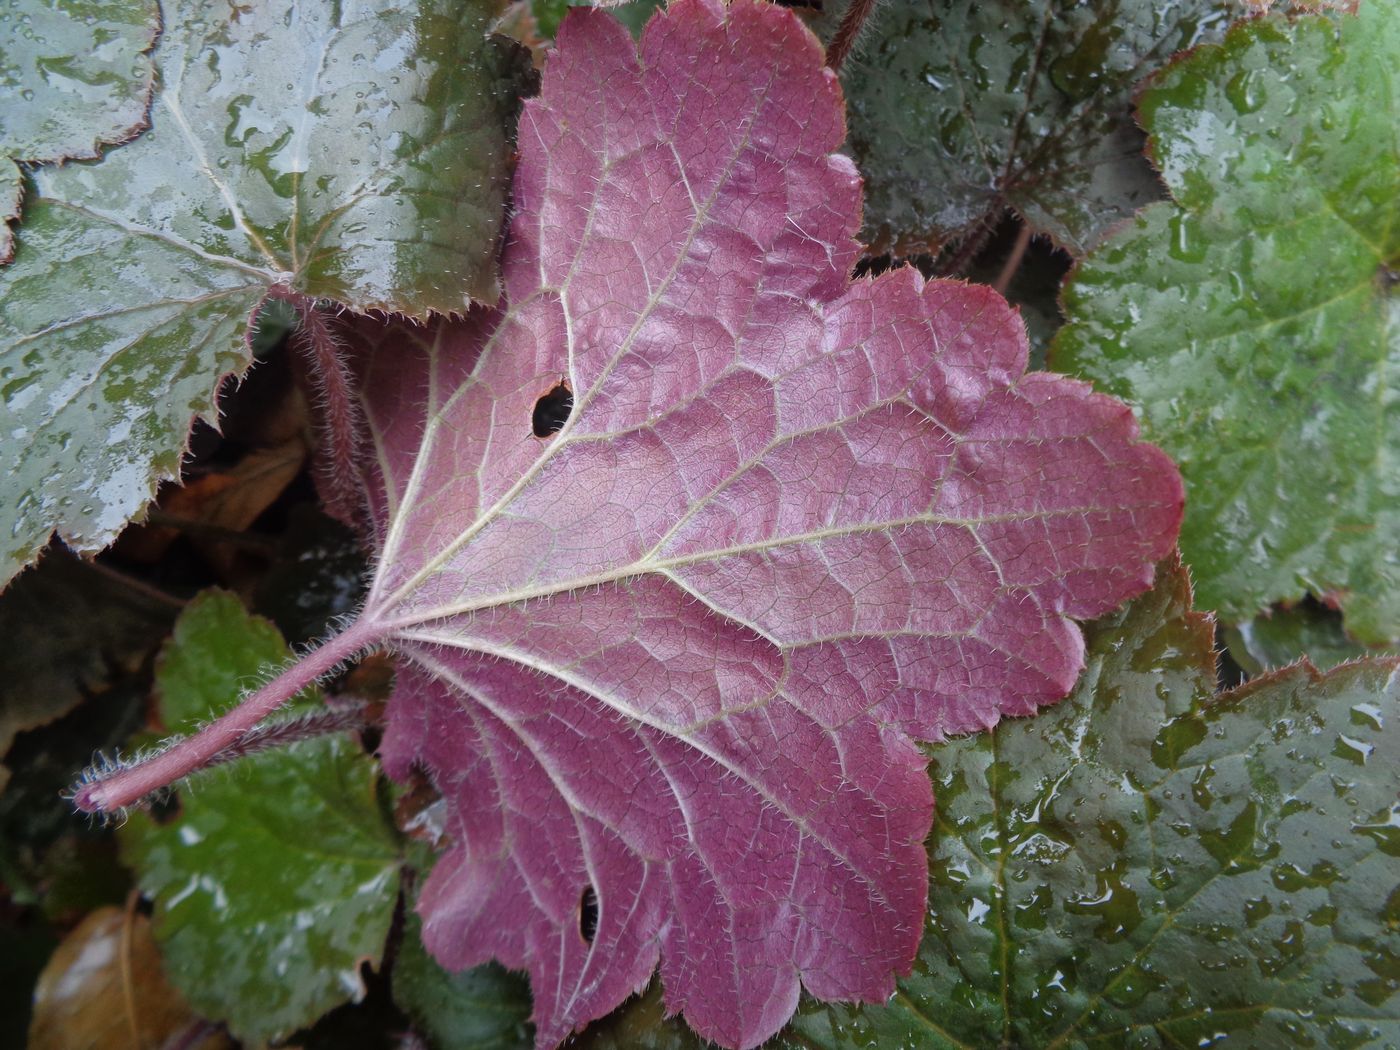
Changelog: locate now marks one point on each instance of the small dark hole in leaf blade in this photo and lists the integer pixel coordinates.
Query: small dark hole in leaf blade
(588, 914)
(552, 410)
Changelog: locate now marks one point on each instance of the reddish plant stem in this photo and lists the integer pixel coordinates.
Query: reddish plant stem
(846, 33)
(1013, 261)
(282, 733)
(332, 390)
(128, 786)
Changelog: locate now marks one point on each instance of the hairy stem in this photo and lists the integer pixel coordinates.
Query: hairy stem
(847, 32)
(331, 386)
(128, 786)
(269, 735)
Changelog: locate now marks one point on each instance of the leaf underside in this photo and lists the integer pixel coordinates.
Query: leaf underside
(1148, 864)
(1255, 319)
(671, 659)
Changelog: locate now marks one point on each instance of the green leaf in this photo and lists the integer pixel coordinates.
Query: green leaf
(1255, 321)
(634, 14)
(548, 14)
(352, 152)
(77, 76)
(641, 1024)
(279, 876)
(959, 109)
(484, 1008)
(1287, 634)
(1147, 864)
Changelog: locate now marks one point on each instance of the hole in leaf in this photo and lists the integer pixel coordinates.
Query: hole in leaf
(552, 410)
(588, 914)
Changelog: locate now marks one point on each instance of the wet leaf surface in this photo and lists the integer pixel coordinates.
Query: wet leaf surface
(960, 109)
(75, 76)
(279, 875)
(1254, 320)
(348, 152)
(1150, 864)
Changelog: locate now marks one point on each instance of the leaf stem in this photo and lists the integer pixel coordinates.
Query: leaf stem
(847, 32)
(332, 392)
(274, 734)
(1013, 261)
(129, 785)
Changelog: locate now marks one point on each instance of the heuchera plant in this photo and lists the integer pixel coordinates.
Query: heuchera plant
(684, 544)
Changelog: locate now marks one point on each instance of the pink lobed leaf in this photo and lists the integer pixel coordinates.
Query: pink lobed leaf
(678, 654)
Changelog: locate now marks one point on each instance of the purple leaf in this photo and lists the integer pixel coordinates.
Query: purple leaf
(668, 664)
(673, 655)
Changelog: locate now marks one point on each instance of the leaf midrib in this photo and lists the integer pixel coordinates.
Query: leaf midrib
(665, 566)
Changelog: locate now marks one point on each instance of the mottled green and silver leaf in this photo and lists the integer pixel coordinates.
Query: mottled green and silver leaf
(355, 152)
(75, 75)
(1255, 321)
